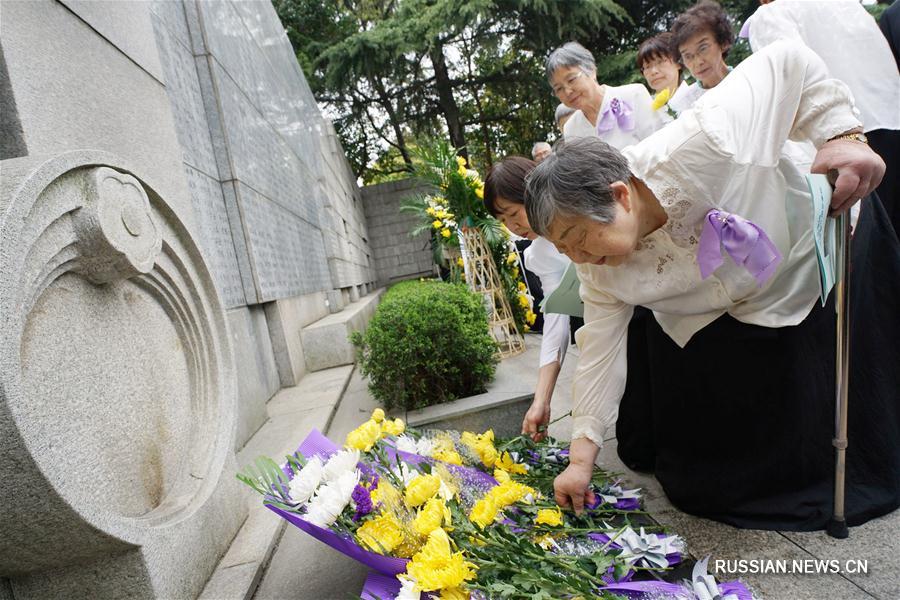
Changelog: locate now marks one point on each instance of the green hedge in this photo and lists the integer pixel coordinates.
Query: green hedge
(427, 343)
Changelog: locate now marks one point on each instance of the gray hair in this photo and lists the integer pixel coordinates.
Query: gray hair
(563, 111)
(571, 54)
(574, 181)
(539, 146)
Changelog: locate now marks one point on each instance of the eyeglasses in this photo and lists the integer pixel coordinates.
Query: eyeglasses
(655, 64)
(569, 83)
(702, 50)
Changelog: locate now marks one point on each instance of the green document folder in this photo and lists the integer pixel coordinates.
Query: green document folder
(565, 299)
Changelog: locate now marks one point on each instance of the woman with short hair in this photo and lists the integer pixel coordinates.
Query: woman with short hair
(701, 39)
(704, 224)
(504, 197)
(619, 115)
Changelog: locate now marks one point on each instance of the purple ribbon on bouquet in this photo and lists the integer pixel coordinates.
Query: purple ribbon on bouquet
(617, 113)
(745, 242)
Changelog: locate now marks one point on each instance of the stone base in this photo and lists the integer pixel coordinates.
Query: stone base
(326, 343)
(501, 412)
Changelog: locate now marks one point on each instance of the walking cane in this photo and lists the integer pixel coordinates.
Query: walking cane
(837, 527)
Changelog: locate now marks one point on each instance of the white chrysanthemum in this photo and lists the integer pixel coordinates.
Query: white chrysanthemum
(407, 589)
(342, 462)
(404, 473)
(445, 492)
(304, 483)
(331, 499)
(406, 444)
(424, 446)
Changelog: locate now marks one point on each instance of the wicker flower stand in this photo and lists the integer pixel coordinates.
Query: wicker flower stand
(483, 278)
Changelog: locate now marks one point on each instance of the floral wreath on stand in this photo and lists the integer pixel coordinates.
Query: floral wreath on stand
(456, 202)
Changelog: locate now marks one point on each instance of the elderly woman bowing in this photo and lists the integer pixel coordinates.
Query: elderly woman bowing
(619, 115)
(705, 225)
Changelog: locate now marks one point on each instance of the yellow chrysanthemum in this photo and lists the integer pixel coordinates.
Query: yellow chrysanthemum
(521, 286)
(382, 534)
(515, 272)
(460, 161)
(545, 541)
(462, 171)
(661, 99)
(479, 191)
(455, 594)
(377, 415)
(441, 214)
(530, 317)
(523, 301)
(430, 211)
(437, 224)
(510, 466)
(485, 511)
(385, 493)
(445, 232)
(510, 492)
(431, 516)
(393, 427)
(511, 258)
(460, 262)
(421, 488)
(527, 328)
(549, 516)
(364, 436)
(482, 445)
(435, 567)
(501, 476)
(443, 449)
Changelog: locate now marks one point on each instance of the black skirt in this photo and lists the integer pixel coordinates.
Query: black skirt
(737, 425)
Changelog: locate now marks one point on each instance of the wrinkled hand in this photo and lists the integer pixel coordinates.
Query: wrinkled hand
(536, 419)
(572, 487)
(854, 169)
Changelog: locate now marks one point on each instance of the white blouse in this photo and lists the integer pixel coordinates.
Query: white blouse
(724, 153)
(848, 40)
(544, 260)
(646, 120)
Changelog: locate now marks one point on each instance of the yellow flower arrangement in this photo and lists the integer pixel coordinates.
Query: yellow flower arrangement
(530, 317)
(460, 262)
(549, 516)
(523, 301)
(364, 437)
(434, 514)
(377, 415)
(508, 492)
(479, 191)
(421, 488)
(660, 99)
(382, 534)
(460, 162)
(437, 223)
(445, 232)
(430, 211)
(436, 567)
(511, 258)
(521, 286)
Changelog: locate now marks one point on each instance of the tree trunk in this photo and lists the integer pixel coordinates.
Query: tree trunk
(395, 121)
(447, 102)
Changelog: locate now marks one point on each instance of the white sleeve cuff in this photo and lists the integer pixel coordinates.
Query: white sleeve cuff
(592, 428)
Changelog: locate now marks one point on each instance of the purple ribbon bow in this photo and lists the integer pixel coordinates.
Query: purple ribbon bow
(618, 112)
(745, 243)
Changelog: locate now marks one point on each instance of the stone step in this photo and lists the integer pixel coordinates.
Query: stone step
(326, 342)
(292, 413)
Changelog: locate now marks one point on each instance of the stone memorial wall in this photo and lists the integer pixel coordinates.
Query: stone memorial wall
(174, 210)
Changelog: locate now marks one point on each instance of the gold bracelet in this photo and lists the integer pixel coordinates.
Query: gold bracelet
(856, 137)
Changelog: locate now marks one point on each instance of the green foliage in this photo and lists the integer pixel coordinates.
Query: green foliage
(376, 64)
(427, 343)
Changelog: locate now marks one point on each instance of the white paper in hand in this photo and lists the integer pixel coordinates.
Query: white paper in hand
(824, 233)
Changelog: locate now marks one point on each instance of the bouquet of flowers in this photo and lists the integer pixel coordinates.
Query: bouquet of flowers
(446, 515)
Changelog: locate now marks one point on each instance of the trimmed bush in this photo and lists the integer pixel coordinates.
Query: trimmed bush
(427, 343)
